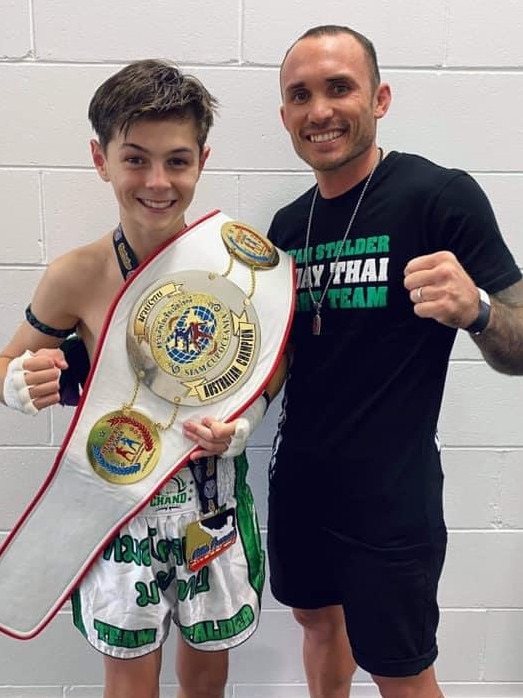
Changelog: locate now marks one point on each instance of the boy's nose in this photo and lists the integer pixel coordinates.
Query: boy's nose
(157, 178)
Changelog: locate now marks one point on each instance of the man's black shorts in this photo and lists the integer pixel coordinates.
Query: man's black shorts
(388, 590)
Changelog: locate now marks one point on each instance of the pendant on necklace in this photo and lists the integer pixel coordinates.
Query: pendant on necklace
(316, 323)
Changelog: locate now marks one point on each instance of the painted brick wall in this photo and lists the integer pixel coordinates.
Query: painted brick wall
(456, 71)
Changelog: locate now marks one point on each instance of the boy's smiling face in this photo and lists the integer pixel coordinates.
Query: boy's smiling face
(153, 169)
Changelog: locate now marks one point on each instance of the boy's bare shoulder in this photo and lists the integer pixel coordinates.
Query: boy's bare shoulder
(81, 265)
(63, 295)
(69, 282)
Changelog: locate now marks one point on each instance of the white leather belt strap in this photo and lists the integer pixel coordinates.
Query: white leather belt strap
(76, 511)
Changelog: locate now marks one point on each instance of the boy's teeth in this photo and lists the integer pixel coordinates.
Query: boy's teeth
(157, 204)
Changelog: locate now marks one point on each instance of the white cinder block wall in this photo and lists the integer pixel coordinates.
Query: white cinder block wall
(457, 79)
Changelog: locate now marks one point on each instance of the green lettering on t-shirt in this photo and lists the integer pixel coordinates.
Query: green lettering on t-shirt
(358, 297)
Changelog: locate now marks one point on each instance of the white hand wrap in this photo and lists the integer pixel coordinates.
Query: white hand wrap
(245, 425)
(16, 392)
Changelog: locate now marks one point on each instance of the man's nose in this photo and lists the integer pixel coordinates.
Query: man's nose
(320, 110)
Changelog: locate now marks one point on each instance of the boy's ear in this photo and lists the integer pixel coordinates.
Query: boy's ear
(99, 159)
(206, 150)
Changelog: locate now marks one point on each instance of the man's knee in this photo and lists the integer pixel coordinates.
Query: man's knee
(326, 621)
(424, 685)
(328, 617)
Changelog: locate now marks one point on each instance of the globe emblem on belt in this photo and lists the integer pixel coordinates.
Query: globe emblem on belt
(193, 337)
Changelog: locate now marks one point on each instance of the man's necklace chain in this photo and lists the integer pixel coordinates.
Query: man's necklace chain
(317, 304)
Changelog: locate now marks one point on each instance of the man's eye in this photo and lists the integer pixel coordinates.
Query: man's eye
(340, 89)
(299, 97)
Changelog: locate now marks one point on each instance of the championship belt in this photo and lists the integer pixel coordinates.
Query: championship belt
(197, 330)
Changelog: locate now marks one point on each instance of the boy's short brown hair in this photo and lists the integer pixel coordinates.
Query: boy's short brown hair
(150, 89)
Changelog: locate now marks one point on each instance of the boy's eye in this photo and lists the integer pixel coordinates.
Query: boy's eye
(178, 162)
(134, 160)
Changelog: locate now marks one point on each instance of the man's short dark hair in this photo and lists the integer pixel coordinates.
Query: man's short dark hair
(334, 30)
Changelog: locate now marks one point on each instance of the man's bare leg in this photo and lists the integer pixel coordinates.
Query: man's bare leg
(423, 685)
(327, 656)
(133, 678)
(200, 674)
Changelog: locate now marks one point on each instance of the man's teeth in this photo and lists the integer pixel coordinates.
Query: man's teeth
(157, 204)
(322, 137)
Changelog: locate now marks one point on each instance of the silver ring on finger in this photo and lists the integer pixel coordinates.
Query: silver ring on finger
(420, 294)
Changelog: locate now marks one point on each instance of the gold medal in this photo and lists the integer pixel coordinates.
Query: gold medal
(123, 447)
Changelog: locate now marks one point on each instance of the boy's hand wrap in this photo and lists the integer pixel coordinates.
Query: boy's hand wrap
(245, 425)
(16, 392)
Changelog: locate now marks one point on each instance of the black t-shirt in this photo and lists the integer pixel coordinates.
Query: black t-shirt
(363, 398)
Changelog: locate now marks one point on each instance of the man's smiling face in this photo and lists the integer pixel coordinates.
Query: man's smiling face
(330, 100)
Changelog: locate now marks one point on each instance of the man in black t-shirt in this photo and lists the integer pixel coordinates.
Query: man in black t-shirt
(393, 255)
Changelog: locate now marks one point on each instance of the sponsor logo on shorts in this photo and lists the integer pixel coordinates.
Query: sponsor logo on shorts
(209, 537)
(176, 495)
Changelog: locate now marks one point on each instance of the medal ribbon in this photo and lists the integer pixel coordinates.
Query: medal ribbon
(125, 255)
(204, 469)
(204, 473)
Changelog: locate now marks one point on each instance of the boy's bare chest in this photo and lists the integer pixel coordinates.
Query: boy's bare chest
(97, 304)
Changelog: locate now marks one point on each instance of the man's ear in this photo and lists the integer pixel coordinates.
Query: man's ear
(282, 116)
(383, 99)
(99, 159)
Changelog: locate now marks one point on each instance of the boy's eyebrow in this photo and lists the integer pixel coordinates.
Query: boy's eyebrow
(135, 146)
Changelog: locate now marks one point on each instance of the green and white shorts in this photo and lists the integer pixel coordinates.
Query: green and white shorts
(125, 603)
